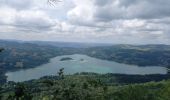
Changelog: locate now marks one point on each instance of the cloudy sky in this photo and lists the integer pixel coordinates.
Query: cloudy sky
(108, 21)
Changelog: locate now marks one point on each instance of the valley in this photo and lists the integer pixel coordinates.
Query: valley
(90, 73)
(18, 56)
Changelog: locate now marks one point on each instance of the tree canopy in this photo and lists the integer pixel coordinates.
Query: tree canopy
(1, 49)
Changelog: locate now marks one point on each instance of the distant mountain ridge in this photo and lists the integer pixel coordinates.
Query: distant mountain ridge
(60, 44)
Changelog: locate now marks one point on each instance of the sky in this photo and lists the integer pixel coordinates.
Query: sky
(99, 21)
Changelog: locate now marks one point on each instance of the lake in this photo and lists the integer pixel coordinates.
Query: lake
(81, 63)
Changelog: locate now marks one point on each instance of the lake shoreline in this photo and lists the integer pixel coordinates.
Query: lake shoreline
(89, 64)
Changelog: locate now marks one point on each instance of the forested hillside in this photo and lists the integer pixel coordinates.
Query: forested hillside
(18, 56)
(142, 55)
(85, 87)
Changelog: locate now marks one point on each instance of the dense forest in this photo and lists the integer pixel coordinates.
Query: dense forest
(86, 86)
(141, 55)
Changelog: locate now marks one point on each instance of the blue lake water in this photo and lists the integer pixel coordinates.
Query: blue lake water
(81, 63)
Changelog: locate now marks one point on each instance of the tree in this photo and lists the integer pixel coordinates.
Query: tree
(19, 90)
(1, 49)
(61, 73)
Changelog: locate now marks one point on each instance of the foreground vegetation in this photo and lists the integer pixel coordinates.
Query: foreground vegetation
(84, 87)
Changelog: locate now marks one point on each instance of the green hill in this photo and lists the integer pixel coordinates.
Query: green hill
(84, 87)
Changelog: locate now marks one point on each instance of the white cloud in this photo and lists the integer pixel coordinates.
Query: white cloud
(82, 13)
(115, 21)
(7, 15)
(135, 23)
